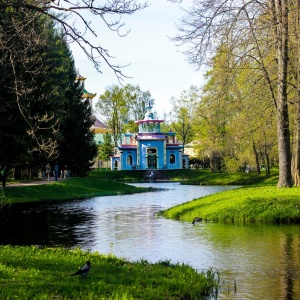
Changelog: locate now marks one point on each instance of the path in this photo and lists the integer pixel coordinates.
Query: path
(37, 182)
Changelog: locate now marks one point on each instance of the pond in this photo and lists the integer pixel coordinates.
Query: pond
(255, 261)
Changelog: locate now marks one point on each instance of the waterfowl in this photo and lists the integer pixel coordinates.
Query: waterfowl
(196, 219)
(84, 270)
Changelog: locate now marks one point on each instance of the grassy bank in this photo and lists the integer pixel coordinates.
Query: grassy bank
(259, 201)
(72, 188)
(34, 273)
(193, 177)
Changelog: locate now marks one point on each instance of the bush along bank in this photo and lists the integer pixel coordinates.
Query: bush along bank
(44, 273)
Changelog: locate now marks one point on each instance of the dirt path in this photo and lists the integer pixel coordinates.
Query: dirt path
(37, 182)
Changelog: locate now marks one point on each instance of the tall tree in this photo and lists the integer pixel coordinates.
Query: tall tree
(75, 118)
(137, 100)
(106, 148)
(239, 24)
(113, 106)
(39, 94)
(183, 110)
(26, 102)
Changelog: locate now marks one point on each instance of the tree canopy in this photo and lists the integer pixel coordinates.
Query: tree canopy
(37, 77)
(259, 35)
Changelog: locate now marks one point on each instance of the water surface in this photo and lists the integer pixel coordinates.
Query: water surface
(259, 261)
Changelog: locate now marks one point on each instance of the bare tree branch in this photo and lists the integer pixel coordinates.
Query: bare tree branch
(81, 11)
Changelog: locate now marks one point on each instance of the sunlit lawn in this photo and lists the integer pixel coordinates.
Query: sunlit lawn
(35, 273)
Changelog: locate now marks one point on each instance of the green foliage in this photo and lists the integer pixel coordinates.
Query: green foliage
(137, 101)
(183, 114)
(121, 107)
(107, 148)
(113, 106)
(35, 273)
(27, 50)
(231, 164)
(41, 116)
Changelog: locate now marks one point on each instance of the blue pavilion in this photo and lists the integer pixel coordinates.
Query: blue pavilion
(150, 149)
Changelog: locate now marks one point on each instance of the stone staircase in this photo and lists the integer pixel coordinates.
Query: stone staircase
(159, 175)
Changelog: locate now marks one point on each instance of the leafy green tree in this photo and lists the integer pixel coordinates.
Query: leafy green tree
(182, 115)
(253, 31)
(114, 108)
(26, 115)
(137, 101)
(38, 96)
(106, 150)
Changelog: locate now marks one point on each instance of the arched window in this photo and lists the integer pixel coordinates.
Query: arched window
(172, 159)
(129, 160)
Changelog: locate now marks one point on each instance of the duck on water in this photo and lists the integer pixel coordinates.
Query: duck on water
(196, 219)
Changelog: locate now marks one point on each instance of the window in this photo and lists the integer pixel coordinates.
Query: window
(172, 159)
(129, 160)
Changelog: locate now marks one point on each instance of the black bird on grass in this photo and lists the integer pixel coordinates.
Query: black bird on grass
(84, 270)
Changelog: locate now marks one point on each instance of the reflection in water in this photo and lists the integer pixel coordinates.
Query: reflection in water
(50, 225)
(263, 260)
(290, 265)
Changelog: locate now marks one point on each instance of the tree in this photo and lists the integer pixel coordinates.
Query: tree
(27, 59)
(137, 100)
(183, 110)
(113, 106)
(74, 19)
(77, 147)
(41, 114)
(240, 25)
(106, 150)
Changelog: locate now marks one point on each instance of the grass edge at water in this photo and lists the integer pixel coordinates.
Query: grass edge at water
(44, 273)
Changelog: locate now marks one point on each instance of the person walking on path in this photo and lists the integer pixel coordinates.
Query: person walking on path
(3, 176)
(48, 171)
(56, 171)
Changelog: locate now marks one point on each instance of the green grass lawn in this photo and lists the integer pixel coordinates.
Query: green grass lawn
(259, 200)
(69, 189)
(35, 273)
(248, 204)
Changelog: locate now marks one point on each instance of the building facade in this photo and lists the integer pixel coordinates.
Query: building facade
(150, 149)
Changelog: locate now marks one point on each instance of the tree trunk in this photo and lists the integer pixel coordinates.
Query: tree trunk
(256, 157)
(296, 135)
(282, 116)
(267, 163)
(296, 144)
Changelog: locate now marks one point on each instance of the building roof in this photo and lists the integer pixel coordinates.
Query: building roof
(98, 123)
(128, 147)
(86, 94)
(150, 136)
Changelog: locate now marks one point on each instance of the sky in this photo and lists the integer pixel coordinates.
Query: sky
(155, 63)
